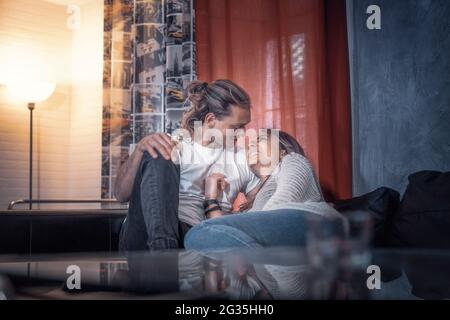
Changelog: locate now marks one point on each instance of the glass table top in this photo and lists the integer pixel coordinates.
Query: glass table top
(275, 273)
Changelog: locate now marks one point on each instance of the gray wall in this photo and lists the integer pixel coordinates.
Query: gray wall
(400, 91)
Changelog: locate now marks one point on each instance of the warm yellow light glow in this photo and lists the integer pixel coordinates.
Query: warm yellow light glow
(31, 92)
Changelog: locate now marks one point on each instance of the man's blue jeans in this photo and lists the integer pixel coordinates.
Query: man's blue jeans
(152, 221)
(277, 228)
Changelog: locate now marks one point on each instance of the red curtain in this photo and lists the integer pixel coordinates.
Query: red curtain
(291, 57)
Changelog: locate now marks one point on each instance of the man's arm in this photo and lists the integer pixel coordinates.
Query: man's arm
(125, 176)
(154, 143)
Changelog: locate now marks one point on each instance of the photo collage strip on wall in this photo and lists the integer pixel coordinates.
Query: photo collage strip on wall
(149, 59)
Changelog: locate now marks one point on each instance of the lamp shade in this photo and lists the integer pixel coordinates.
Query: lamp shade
(31, 92)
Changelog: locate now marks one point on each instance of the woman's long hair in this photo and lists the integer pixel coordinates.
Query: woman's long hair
(216, 97)
(287, 143)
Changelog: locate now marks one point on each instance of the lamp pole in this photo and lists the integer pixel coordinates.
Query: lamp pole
(30, 178)
(33, 93)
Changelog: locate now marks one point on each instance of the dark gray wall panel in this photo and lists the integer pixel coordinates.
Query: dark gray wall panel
(400, 91)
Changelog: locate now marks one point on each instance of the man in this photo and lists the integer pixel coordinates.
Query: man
(166, 198)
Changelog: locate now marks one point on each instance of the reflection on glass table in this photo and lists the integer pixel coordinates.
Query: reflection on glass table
(276, 273)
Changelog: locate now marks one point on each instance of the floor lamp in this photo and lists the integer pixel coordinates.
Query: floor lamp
(31, 93)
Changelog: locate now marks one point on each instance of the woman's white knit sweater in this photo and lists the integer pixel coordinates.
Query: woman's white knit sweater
(293, 185)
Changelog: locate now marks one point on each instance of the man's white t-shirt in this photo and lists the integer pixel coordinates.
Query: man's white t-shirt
(196, 164)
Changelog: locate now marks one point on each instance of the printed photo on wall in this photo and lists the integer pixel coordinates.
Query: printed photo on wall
(107, 45)
(106, 99)
(187, 57)
(148, 98)
(171, 126)
(194, 60)
(106, 194)
(174, 93)
(187, 32)
(107, 17)
(145, 124)
(111, 191)
(186, 81)
(106, 74)
(175, 6)
(174, 63)
(147, 72)
(150, 11)
(174, 29)
(106, 141)
(122, 74)
(105, 161)
(106, 125)
(149, 38)
(122, 46)
(173, 120)
(118, 156)
(106, 129)
(127, 135)
(122, 15)
(150, 67)
(150, 54)
(119, 127)
(121, 99)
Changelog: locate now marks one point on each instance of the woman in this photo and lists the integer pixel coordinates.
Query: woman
(288, 197)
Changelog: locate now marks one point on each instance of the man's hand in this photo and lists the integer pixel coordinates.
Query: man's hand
(157, 142)
(245, 206)
(154, 143)
(214, 184)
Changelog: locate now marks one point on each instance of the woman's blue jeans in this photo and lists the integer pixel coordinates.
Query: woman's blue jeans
(277, 228)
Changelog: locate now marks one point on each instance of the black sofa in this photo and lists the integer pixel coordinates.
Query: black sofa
(421, 219)
(56, 231)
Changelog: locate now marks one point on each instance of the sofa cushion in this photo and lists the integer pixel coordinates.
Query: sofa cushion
(423, 219)
(381, 203)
